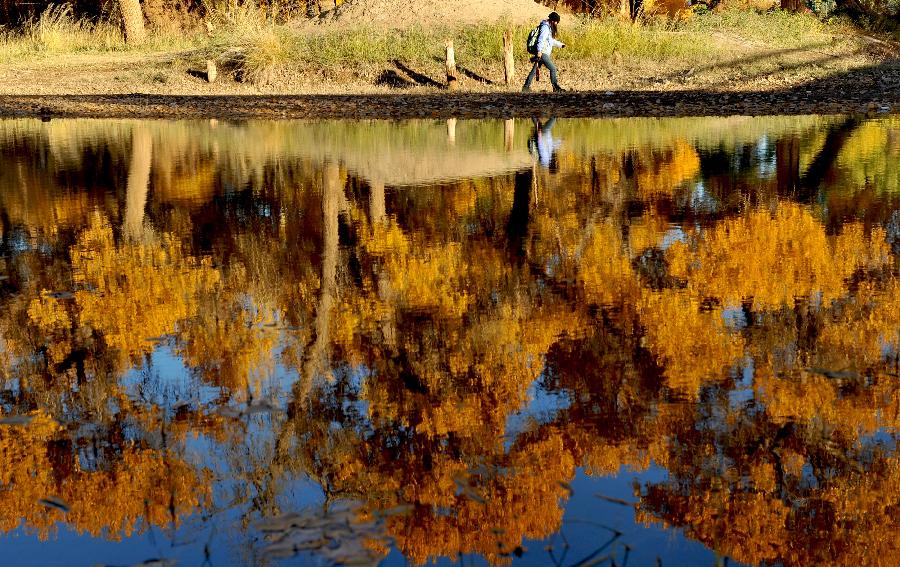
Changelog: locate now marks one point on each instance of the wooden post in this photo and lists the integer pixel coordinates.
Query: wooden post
(509, 134)
(452, 83)
(509, 63)
(211, 71)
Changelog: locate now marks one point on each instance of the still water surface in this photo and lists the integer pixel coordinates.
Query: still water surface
(576, 342)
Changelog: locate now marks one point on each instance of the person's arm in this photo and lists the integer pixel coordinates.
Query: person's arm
(556, 43)
(544, 38)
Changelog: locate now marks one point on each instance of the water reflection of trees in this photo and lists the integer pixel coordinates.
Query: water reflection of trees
(693, 315)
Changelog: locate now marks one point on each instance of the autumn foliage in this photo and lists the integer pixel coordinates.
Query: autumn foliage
(742, 337)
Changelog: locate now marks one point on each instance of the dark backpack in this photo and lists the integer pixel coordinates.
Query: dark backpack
(531, 44)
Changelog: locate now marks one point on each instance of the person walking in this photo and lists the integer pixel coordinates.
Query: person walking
(544, 44)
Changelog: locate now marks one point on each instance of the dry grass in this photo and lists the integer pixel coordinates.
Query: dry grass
(261, 46)
(57, 30)
(697, 40)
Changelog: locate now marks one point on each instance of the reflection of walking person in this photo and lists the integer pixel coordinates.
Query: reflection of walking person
(540, 44)
(543, 144)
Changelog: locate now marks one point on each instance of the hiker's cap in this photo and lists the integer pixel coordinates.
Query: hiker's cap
(553, 17)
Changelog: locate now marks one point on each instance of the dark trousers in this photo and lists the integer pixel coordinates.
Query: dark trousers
(547, 62)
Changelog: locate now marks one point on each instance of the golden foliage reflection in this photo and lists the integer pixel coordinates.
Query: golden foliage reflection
(715, 303)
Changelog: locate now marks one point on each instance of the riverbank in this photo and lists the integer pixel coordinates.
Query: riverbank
(839, 97)
(733, 62)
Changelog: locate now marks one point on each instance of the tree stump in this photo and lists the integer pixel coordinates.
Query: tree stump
(452, 82)
(509, 63)
(211, 72)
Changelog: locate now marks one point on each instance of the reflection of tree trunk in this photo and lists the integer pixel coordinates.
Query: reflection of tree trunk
(787, 164)
(819, 168)
(316, 354)
(517, 227)
(378, 216)
(377, 208)
(451, 131)
(62, 459)
(138, 181)
(808, 325)
(509, 134)
(388, 324)
(5, 233)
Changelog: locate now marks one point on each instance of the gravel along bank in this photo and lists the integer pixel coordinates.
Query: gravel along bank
(811, 99)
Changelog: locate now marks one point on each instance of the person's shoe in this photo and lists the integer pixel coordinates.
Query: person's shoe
(526, 89)
(558, 89)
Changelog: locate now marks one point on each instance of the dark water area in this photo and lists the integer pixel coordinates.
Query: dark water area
(570, 342)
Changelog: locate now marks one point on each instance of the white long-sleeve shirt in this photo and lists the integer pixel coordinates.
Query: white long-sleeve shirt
(546, 42)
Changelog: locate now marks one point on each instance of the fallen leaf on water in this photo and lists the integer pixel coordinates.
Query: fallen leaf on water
(292, 547)
(472, 495)
(593, 562)
(397, 510)
(350, 553)
(228, 412)
(280, 523)
(835, 374)
(16, 420)
(614, 500)
(54, 502)
(280, 550)
(156, 563)
(262, 407)
(62, 295)
(341, 514)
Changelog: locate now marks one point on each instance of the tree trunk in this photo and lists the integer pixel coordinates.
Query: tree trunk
(133, 21)
(317, 353)
(793, 5)
(509, 134)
